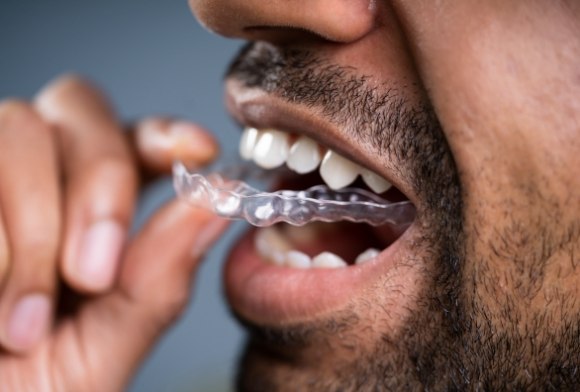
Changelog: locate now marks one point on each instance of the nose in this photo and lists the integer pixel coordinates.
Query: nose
(276, 20)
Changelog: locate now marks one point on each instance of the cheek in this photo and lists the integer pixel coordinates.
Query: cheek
(519, 225)
(504, 82)
(504, 89)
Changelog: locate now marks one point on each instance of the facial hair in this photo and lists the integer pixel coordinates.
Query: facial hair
(447, 342)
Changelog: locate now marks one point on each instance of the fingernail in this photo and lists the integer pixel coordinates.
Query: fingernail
(99, 254)
(155, 134)
(28, 322)
(207, 236)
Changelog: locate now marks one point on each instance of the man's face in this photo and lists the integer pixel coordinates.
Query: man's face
(472, 111)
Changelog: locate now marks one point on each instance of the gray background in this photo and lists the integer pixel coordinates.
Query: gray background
(151, 57)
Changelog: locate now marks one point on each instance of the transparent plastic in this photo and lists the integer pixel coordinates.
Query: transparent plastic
(228, 194)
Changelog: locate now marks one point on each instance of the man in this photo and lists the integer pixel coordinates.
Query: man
(470, 109)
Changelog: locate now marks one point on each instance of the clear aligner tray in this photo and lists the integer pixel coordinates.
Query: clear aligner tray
(227, 193)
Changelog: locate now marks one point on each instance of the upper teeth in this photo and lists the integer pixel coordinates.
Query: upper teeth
(337, 171)
(247, 143)
(304, 155)
(271, 148)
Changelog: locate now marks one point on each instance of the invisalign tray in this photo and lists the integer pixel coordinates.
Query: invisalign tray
(226, 194)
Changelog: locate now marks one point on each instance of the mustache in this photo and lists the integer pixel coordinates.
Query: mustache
(302, 77)
(407, 133)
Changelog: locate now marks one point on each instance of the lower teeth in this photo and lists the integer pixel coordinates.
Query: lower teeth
(273, 247)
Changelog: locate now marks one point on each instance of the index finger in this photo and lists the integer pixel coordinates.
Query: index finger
(100, 181)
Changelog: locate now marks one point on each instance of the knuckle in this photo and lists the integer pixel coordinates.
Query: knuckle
(69, 80)
(63, 87)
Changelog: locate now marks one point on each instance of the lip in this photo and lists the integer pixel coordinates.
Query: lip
(256, 108)
(272, 295)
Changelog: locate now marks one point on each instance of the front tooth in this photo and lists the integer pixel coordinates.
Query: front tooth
(337, 171)
(328, 260)
(304, 155)
(296, 259)
(271, 245)
(367, 255)
(272, 148)
(377, 183)
(248, 142)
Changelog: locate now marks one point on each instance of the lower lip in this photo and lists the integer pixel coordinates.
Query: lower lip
(270, 295)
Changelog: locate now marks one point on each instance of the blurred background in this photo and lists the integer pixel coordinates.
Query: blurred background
(150, 57)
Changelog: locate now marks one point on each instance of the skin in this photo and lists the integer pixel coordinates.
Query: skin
(489, 295)
(69, 148)
(490, 300)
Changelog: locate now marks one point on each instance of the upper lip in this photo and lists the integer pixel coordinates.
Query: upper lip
(256, 108)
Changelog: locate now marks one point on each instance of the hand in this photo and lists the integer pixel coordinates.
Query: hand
(81, 303)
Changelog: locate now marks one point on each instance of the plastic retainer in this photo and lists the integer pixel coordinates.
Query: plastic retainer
(234, 199)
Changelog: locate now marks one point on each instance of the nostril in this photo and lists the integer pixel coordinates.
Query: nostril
(283, 35)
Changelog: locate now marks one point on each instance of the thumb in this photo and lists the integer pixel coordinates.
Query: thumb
(154, 287)
(159, 141)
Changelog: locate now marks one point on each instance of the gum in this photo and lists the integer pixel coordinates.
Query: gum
(227, 193)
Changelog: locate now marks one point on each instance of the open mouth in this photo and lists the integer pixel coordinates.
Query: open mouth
(285, 273)
(320, 244)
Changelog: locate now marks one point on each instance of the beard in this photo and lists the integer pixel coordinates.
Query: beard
(450, 340)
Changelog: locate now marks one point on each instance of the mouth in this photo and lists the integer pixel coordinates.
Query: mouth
(286, 274)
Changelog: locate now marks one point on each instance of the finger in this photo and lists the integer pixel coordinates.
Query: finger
(159, 141)
(30, 210)
(153, 289)
(101, 182)
(190, 232)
